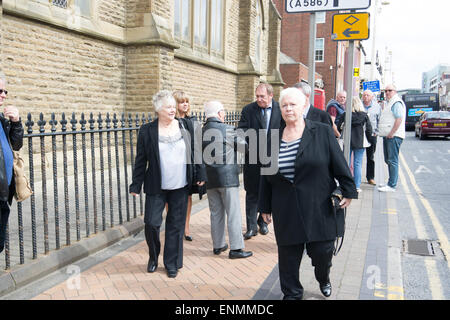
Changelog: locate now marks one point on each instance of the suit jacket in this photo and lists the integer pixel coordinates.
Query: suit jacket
(251, 118)
(319, 115)
(302, 211)
(147, 168)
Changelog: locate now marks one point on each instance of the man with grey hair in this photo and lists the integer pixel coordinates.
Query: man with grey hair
(373, 110)
(11, 138)
(220, 143)
(336, 108)
(311, 112)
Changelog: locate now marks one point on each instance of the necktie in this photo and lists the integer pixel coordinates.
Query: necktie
(265, 118)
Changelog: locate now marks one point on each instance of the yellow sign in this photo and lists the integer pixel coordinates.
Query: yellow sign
(350, 26)
(356, 72)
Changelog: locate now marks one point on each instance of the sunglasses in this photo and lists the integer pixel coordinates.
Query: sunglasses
(388, 90)
(1, 91)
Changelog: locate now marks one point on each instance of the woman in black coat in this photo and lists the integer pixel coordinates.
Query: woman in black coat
(298, 195)
(167, 177)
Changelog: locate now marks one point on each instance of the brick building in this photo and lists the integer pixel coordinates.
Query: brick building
(331, 56)
(112, 56)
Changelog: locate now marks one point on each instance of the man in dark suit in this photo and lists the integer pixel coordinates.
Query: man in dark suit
(264, 113)
(312, 113)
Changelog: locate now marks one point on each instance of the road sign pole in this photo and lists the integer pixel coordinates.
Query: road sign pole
(312, 53)
(348, 106)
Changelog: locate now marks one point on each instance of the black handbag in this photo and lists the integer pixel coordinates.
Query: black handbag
(339, 216)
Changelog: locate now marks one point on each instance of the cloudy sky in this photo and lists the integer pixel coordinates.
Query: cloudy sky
(418, 34)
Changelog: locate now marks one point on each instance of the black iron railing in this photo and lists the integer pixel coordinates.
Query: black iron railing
(80, 185)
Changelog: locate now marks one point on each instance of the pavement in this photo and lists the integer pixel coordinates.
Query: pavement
(368, 267)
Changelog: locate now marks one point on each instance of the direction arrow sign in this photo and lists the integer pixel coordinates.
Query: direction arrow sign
(296, 6)
(350, 26)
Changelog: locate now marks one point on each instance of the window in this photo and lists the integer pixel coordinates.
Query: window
(60, 3)
(320, 17)
(319, 50)
(199, 24)
(84, 6)
(259, 32)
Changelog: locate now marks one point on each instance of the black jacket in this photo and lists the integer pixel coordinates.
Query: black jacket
(251, 118)
(359, 119)
(319, 115)
(220, 146)
(147, 168)
(302, 211)
(14, 132)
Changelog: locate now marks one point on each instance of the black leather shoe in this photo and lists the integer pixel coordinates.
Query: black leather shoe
(219, 250)
(172, 273)
(238, 254)
(152, 265)
(326, 289)
(249, 234)
(263, 230)
(188, 238)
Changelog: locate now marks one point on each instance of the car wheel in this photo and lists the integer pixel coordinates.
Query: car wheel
(421, 135)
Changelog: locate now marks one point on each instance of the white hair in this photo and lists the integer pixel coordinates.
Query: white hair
(369, 92)
(306, 88)
(212, 108)
(294, 93)
(163, 98)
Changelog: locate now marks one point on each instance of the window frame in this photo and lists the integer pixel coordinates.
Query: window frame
(316, 50)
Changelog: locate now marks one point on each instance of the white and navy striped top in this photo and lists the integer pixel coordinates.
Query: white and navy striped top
(286, 158)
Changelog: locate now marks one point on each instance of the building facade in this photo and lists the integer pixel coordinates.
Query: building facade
(432, 79)
(331, 56)
(112, 56)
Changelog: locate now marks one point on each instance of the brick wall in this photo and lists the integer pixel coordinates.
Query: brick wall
(40, 79)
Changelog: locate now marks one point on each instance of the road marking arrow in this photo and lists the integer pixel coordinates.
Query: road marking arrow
(348, 32)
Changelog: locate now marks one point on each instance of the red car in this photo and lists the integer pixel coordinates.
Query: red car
(433, 123)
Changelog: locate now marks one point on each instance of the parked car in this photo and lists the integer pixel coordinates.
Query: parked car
(433, 123)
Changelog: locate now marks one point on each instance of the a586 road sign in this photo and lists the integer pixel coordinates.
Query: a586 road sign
(296, 6)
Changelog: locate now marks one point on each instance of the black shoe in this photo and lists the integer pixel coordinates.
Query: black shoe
(263, 230)
(188, 238)
(249, 234)
(326, 289)
(172, 273)
(152, 265)
(238, 254)
(219, 250)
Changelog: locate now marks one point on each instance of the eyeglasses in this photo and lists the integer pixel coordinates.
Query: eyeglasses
(388, 90)
(1, 91)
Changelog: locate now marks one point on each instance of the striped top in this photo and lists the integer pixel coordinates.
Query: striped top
(286, 158)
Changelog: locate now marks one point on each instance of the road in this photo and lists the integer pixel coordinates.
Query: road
(423, 204)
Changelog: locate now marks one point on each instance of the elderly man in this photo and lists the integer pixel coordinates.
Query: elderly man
(11, 136)
(373, 110)
(264, 113)
(220, 143)
(310, 112)
(392, 128)
(336, 108)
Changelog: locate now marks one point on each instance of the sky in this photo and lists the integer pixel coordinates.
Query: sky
(418, 34)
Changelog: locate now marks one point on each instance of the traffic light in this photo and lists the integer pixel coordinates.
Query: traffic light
(361, 84)
(382, 96)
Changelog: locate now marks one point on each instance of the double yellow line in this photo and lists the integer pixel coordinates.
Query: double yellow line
(430, 264)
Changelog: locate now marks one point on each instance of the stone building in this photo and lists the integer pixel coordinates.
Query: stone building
(113, 55)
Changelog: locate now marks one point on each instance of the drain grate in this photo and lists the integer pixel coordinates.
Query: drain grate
(419, 247)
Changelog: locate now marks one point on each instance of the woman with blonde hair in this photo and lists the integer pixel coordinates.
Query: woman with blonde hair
(361, 129)
(183, 112)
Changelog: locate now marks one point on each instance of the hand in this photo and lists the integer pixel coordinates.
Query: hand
(345, 203)
(134, 194)
(267, 217)
(12, 113)
(200, 183)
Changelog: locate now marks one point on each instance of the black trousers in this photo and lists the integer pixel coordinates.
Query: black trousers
(175, 220)
(251, 212)
(4, 215)
(290, 258)
(370, 153)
